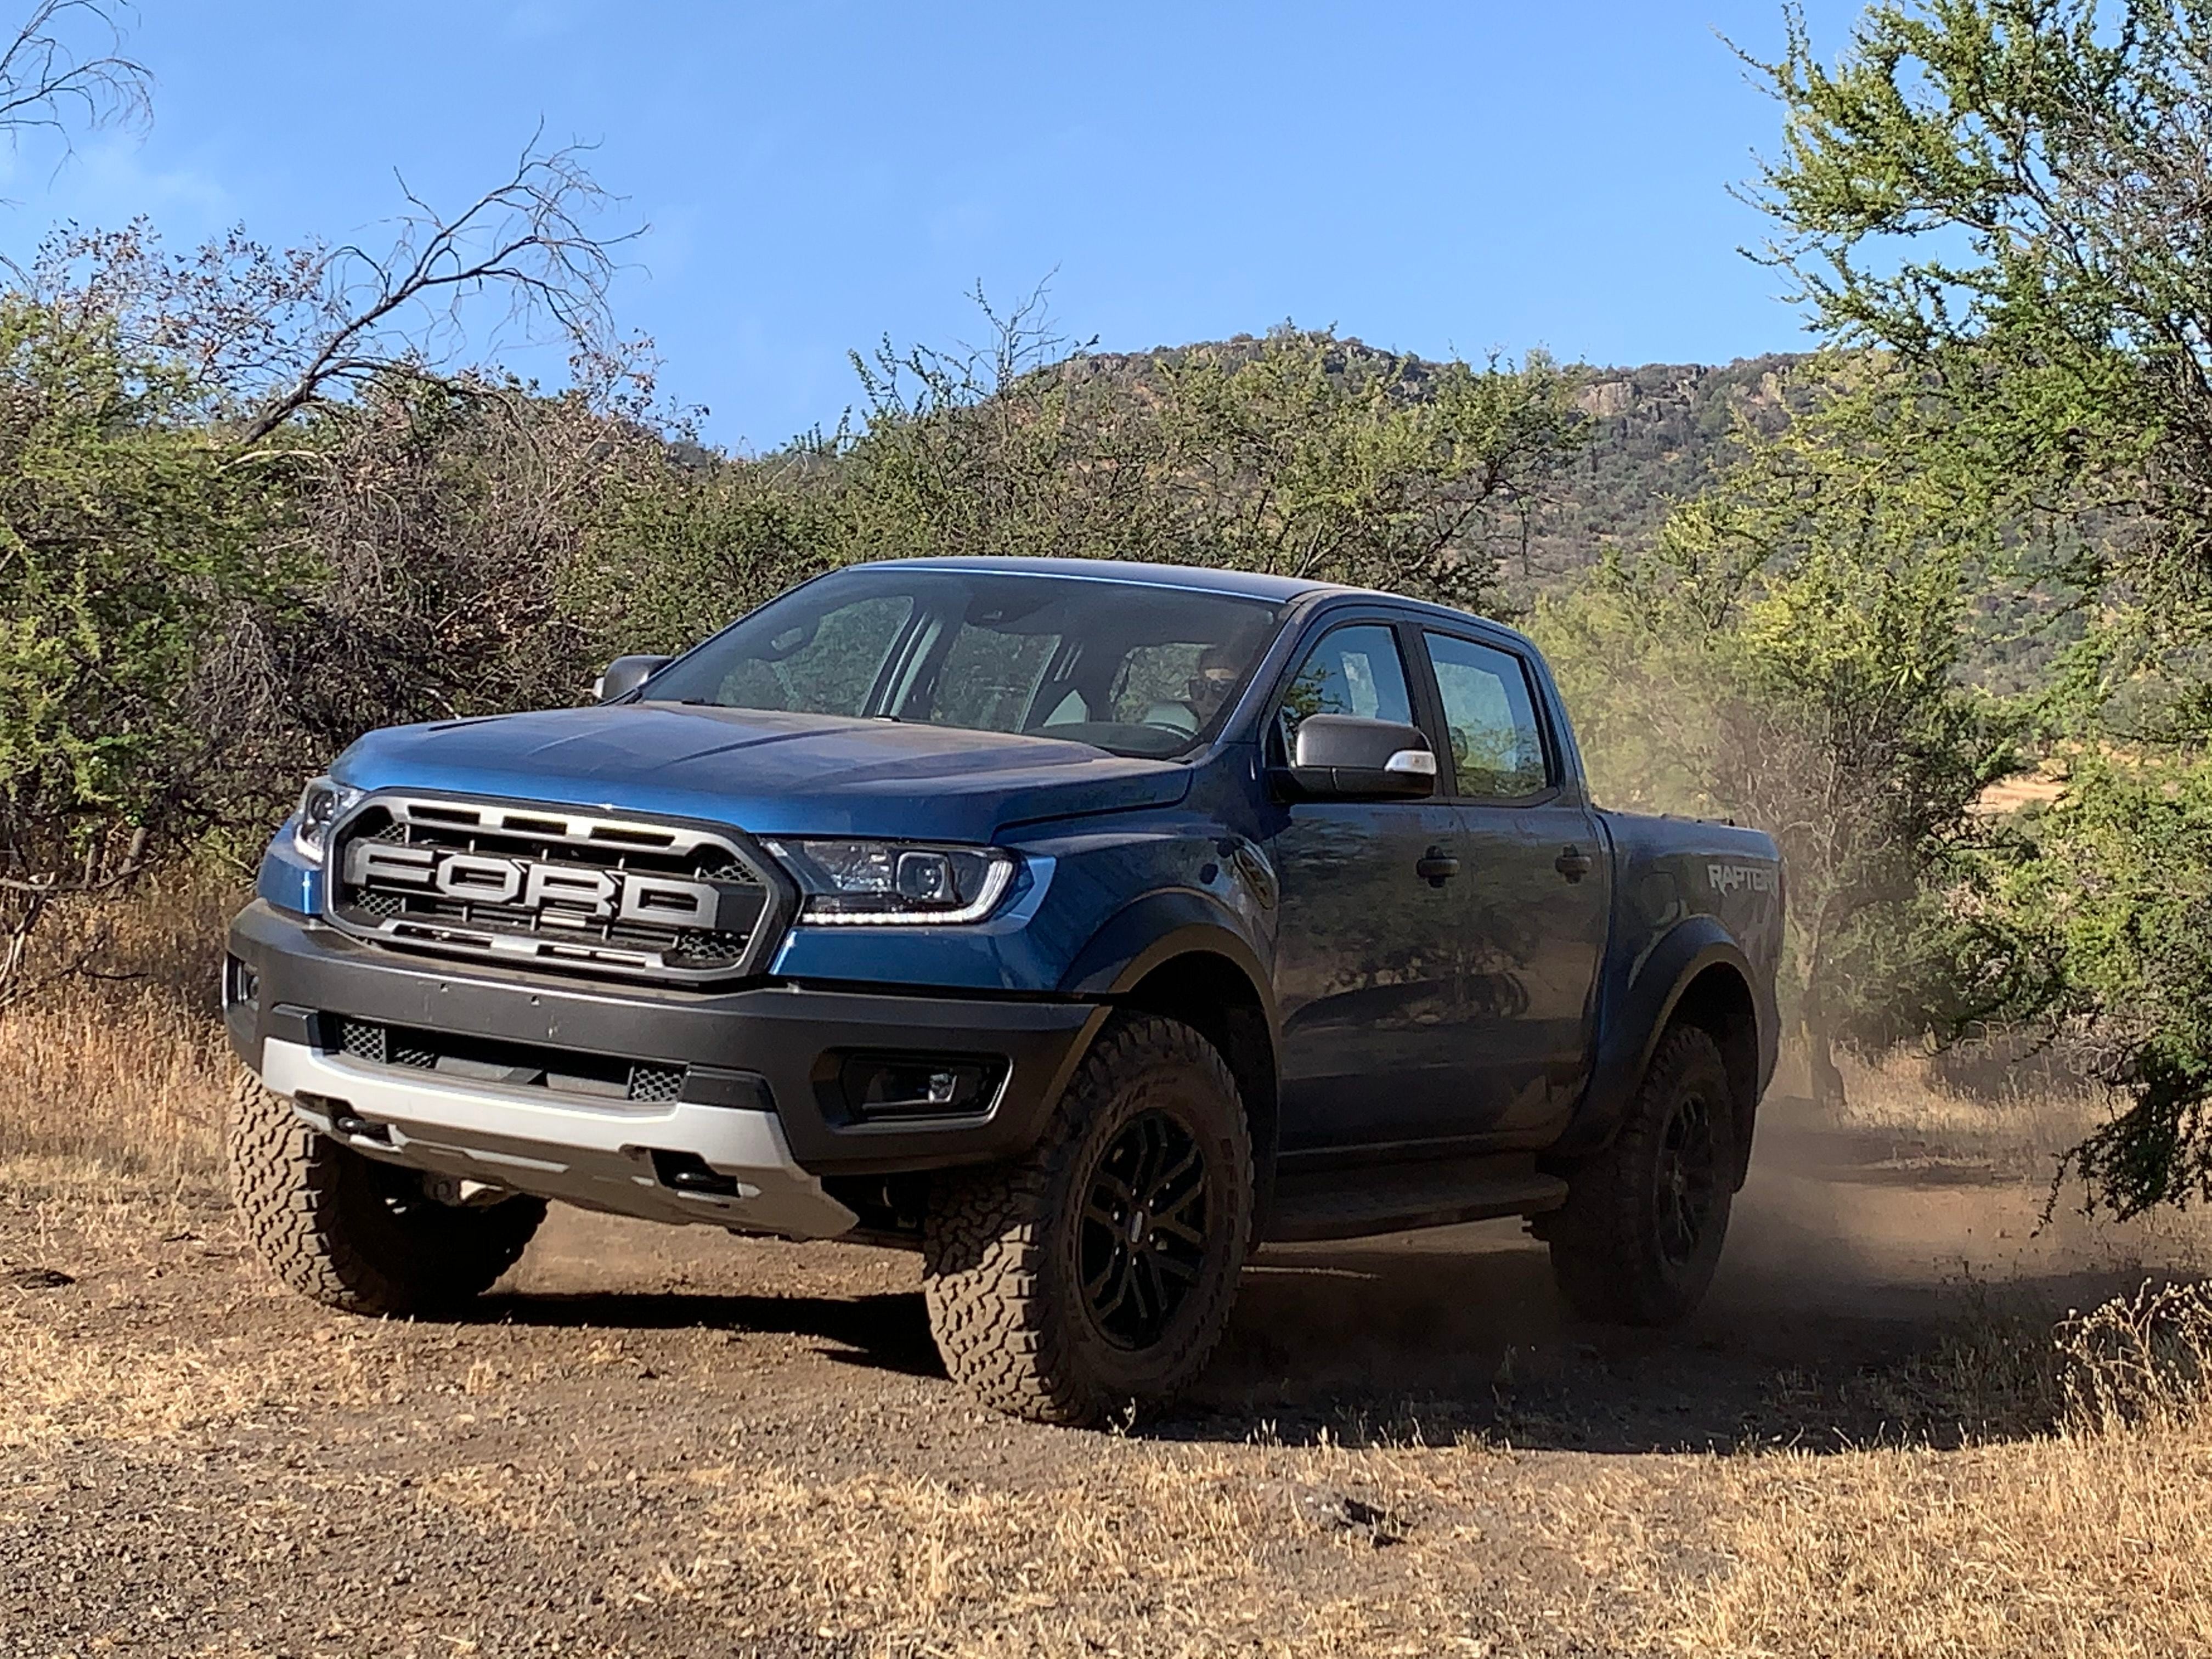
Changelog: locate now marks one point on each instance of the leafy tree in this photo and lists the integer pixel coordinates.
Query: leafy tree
(123, 535)
(1788, 655)
(1013, 447)
(182, 462)
(2007, 196)
(1310, 456)
(2096, 913)
(1299, 454)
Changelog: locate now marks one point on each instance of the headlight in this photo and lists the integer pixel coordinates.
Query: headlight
(322, 804)
(889, 882)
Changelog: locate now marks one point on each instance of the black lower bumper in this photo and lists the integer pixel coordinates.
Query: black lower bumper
(298, 977)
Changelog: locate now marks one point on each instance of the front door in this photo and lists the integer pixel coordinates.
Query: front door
(1363, 952)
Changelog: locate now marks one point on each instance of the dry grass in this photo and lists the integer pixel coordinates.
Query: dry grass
(1139, 1548)
(2076, 1519)
(140, 1388)
(124, 1077)
(908, 1561)
(2069, 1544)
(2094, 1538)
(1969, 1106)
(2053, 1548)
(2087, 1540)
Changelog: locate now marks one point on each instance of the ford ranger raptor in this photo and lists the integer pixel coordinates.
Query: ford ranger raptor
(1083, 926)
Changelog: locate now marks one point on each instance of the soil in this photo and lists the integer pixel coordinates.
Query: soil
(659, 1442)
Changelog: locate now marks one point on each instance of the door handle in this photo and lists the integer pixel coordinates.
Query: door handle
(1572, 863)
(1436, 866)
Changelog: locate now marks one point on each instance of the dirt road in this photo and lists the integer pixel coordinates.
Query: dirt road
(663, 1442)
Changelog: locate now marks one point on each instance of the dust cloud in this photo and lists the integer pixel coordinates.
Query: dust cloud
(1852, 1248)
(1849, 1250)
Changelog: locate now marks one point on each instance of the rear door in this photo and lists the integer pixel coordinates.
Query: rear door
(1535, 903)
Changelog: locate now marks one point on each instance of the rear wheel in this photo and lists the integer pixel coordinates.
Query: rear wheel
(1101, 1268)
(356, 1234)
(1640, 1234)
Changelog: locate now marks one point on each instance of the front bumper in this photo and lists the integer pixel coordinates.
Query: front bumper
(772, 1050)
(602, 1155)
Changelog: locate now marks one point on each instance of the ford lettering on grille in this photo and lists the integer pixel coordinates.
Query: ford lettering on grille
(551, 885)
(585, 895)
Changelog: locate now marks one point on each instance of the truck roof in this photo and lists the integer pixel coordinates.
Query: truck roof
(1241, 584)
(1205, 578)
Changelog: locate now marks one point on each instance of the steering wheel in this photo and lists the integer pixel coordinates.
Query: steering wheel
(1171, 717)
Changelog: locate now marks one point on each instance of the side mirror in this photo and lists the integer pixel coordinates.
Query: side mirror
(1344, 758)
(625, 674)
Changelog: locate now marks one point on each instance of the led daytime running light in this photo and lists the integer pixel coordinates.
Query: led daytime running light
(868, 884)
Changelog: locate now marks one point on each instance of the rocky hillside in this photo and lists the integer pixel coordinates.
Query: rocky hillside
(1660, 433)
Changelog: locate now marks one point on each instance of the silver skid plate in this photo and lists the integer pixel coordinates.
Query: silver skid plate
(591, 1152)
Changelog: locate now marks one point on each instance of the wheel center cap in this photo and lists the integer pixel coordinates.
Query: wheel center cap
(1139, 1224)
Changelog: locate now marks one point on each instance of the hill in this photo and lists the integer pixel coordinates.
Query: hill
(1659, 434)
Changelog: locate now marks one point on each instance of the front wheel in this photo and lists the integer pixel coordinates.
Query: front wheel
(1101, 1268)
(356, 1234)
(1640, 1234)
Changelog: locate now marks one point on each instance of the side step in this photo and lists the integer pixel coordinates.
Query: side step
(1353, 1200)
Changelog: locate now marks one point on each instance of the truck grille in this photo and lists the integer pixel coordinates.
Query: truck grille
(550, 887)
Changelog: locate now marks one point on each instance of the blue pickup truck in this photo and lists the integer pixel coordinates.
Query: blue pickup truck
(1081, 925)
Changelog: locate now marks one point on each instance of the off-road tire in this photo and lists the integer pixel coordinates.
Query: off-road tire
(1618, 1250)
(356, 1234)
(1003, 1246)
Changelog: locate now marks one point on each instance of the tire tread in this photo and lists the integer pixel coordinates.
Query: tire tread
(1601, 1253)
(300, 1203)
(992, 1305)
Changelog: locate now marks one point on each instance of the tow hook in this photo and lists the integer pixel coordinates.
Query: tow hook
(458, 1192)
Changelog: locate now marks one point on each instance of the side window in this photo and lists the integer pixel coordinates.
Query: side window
(1351, 671)
(824, 666)
(1497, 742)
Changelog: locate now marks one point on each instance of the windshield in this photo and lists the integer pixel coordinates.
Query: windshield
(1130, 667)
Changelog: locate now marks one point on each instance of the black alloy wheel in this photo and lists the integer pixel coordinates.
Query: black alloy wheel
(1099, 1269)
(1142, 1239)
(1688, 1179)
(1640, 1234)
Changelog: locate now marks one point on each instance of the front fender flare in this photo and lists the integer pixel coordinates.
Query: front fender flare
(1156, 929)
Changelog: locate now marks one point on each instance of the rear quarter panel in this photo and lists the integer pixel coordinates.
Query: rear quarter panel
(1667, 871)
(1688, 893)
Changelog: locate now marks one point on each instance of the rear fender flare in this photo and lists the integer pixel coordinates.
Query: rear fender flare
(1632, 1022)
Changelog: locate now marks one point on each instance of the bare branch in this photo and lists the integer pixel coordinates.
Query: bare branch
(48, 84)
(402, 310)
(44, 888)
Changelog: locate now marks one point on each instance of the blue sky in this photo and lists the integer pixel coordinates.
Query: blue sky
(1430, 176)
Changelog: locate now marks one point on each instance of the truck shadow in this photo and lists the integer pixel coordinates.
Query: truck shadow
(887, 1332)
(1433, 1345)
(1858, 1301)
(1441, 1338)
(1845, 1312)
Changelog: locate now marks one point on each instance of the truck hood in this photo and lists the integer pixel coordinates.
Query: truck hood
(763, 771)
